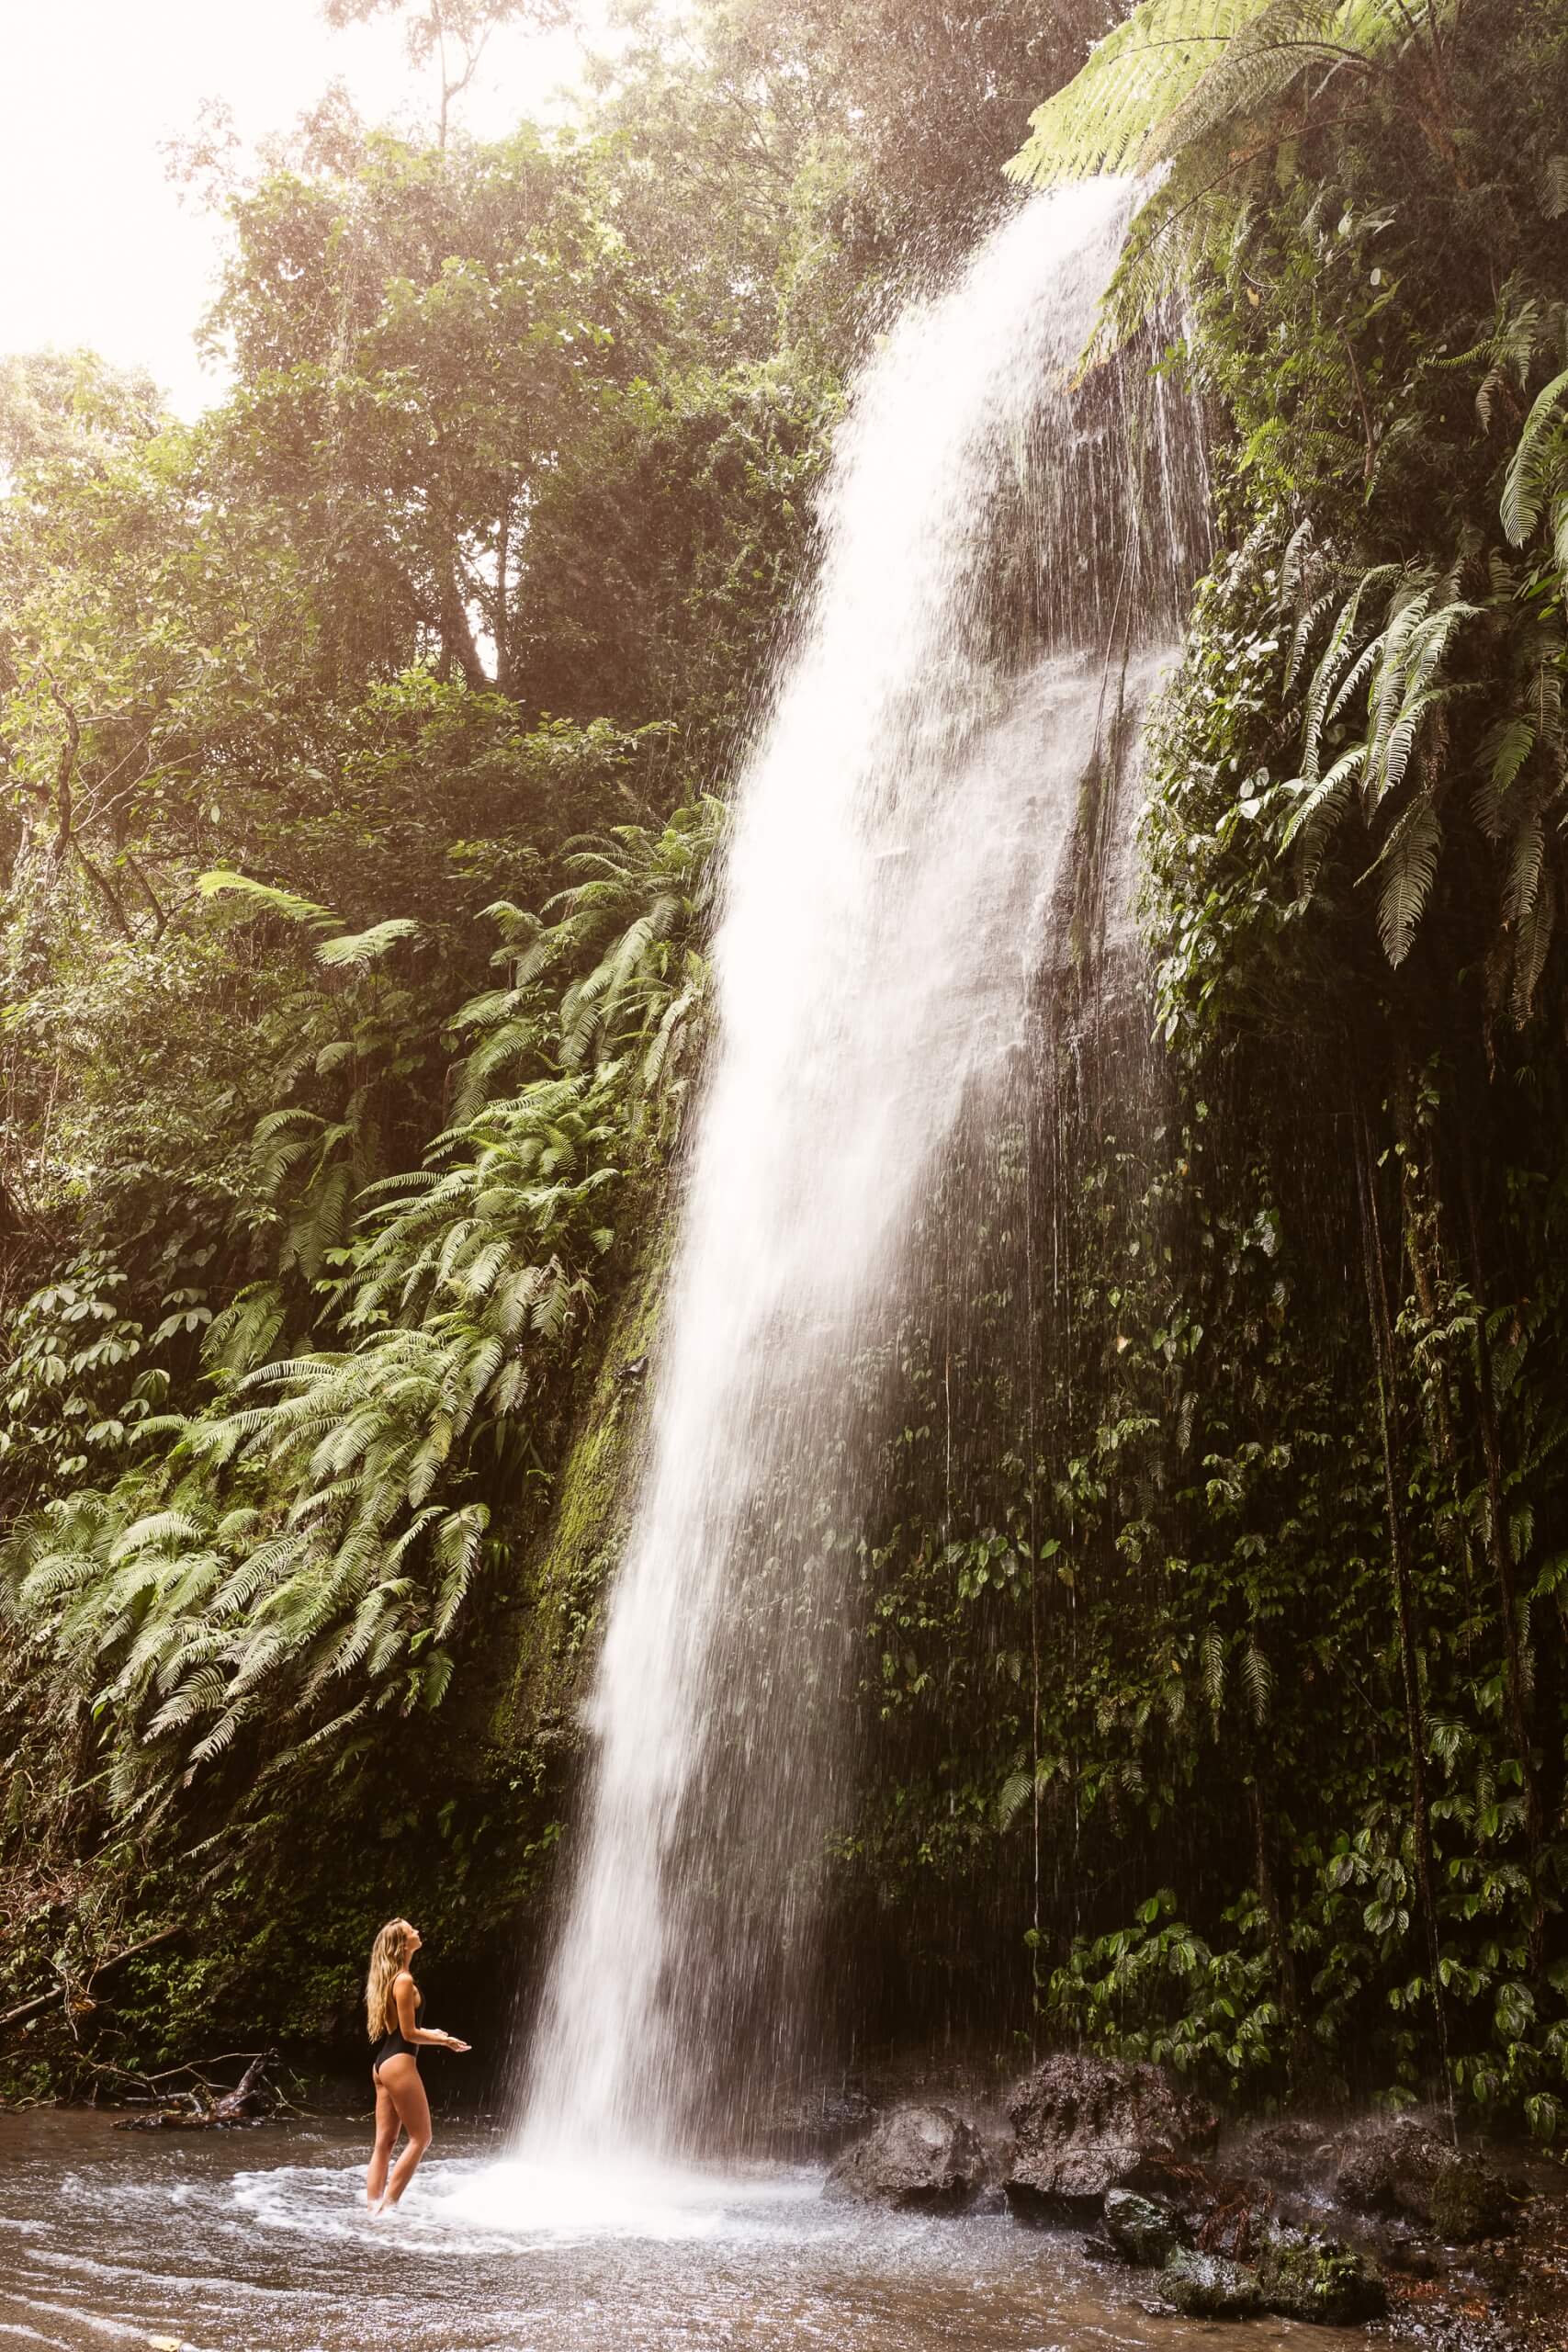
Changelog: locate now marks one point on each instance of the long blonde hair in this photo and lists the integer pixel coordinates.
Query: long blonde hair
(388, 1954)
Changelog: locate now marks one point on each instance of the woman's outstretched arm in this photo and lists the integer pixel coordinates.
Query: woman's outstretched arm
(403, 1996)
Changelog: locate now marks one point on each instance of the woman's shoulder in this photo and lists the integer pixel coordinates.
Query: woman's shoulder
(403, 1976)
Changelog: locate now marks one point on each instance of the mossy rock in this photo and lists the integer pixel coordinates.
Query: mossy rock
(1470, 2200)
(1313, 2278)
(1141, 2231)
(1205, 2285)
(560, 1593)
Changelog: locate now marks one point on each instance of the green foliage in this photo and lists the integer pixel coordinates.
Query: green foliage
(430, 628)
(73, 1396)
(293, 1559)
(1352, 846)
(361, 749)
(1156, 1991)
(1176, 71)
(1203, 97)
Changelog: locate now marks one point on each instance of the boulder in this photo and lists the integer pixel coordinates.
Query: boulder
(1141, 2231)
(1205, 2286)
(1315, 2278)
(1284, 2152)
(1390, 2166)
(1470, 2199)
(919, 2159)
(1084, 2125)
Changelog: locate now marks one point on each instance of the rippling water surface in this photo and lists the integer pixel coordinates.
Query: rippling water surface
(259, 2242)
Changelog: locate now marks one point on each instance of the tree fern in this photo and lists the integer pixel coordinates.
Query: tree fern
(1188, 94)
(1109, 115)
(361, 948)
(1180, 71)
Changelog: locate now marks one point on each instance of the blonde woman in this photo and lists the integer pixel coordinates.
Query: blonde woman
(392, 2004)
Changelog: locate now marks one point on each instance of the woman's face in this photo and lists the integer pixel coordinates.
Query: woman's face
(414, 1939)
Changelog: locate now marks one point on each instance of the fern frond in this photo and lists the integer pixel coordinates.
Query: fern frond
(361, 948)
(1409, 864)
(1179, 69)
(1012, 1796)
(277, 902)
(1258, 1678)
(1530, 946)
(1535, 464)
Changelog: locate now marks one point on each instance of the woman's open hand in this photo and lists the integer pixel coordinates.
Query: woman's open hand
(452, 2042)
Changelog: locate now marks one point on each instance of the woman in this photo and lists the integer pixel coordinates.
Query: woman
(392, 2004)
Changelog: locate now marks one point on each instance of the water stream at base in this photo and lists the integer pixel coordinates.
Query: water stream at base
(259, 2242)
(995, 548)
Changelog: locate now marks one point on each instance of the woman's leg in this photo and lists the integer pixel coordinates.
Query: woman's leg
(399, 2076)
(385, 2136)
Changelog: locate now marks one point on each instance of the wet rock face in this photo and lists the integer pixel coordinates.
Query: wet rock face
(1205, 2286)
(818, 2121)
(1391, 2168)
(1086, 2125)
(1141, 2231)
(919, 2159)
(1286, 2153)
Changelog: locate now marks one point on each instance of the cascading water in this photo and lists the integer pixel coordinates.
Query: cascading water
(996, 547)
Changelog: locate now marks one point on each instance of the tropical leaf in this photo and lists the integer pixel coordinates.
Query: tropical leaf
(221, 882)
(361, 948)
(1537, 467)
(1409, 867)
(1178, 70)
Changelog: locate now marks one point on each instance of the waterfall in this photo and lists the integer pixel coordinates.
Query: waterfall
(997, 549)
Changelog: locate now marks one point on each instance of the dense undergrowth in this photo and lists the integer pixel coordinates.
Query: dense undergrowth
(1275, 1616)
(358, 837)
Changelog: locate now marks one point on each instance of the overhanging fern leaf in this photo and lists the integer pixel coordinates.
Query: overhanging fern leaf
(1538, 464)
(360, 947)
(1409, 867)
(1180, 68)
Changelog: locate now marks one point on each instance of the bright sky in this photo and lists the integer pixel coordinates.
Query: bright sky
(99, 248)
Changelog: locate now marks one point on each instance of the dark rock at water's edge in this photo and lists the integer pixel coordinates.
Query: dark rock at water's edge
(1323, 2219)
(1404, 2171)
(1389, 2165)
(1318, 2279)
(1084, 2125)
(1205, 2286)
(1141, 2231)
(922, 2159)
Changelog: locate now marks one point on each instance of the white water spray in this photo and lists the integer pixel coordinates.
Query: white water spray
(885, 926)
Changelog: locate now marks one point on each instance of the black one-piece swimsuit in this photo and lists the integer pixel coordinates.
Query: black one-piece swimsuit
(397, 2043)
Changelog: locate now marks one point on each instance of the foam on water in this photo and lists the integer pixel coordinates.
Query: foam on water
(568, 2203)
(262, 2243)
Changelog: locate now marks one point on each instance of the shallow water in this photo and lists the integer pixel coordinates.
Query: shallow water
(259, 2242)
